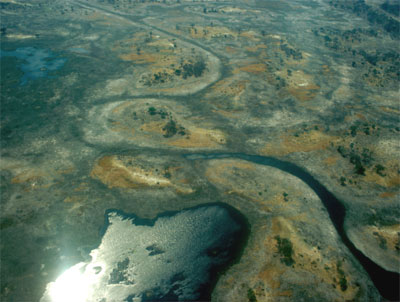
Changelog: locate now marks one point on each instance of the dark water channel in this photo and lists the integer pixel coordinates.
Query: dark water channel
(385, 281)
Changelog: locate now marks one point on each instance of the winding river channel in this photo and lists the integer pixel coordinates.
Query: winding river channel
(386, 282)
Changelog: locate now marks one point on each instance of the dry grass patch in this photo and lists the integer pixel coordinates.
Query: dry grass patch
(389, 237)
(389, 178)
(300, 84)
(256, 47)
(131, 173)
(210, 32)
(312, 140)
(199, 138)
(254, 68)
(140, 58)
(113, 173)
(230, 87)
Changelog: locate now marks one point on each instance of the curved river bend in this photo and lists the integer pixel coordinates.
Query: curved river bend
(385, 281)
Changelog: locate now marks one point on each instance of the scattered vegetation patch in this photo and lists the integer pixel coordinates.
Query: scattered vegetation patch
(171, 128)
(359, 158)
(342, 277)
(285, 249)
(158, 78)
(193, 69)
(382, 240)
(379, 170)
(166, 63)
(285, 196)
(167, 174)
(372, 15)
(391, 8)
(291, 52)
(153, 111)
(378, 68)
(251, 296)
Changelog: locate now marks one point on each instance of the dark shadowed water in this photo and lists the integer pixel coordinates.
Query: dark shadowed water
(385, 281)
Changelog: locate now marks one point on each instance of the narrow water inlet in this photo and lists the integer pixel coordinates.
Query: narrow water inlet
(385, 281)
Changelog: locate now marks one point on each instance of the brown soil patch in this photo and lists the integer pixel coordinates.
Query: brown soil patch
(118, 127)
(326, 70)
(114, 173)
(209, 32)
(256, 48)
(229, 114)
(389, 110)
(305, 93)
(199, 138)
(271, 271)
(27, 176)
(254, 68)
(231, 175)
(106, 20)
(33, 178)
(251, 35)
(270, 274)
(217, 172)
(361, 117)
(160, 53)
(330, 161)
(74, 199)
(391, 178)
(140, 58)
(162, 43)
(230, 87)
(306, 258)
(126, 172)
(67, 170)
(301, 85)
(388, 194)
(287, 293)
(153, 127)
(230, 49)
(82, 187)
(306, 142)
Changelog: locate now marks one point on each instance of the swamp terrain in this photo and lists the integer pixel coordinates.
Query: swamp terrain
(211, 149)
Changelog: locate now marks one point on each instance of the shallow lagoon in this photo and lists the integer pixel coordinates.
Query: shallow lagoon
(173, 257)
(38, 62)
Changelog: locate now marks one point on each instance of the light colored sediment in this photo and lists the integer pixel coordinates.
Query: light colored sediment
(379, 243)
(133, 173)
(152, 54)
(131, 122)
(318, 267)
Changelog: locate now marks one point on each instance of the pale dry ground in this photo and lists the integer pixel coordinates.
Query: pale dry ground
(250, 58)
(318, 143)
(133, 173)
(374, 190)
(287, 210)
(119, 125)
